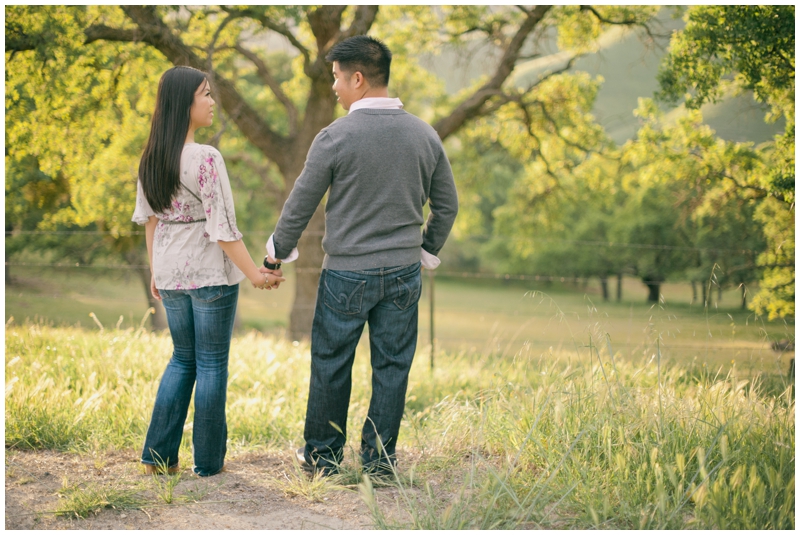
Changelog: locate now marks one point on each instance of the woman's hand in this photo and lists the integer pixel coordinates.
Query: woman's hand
(153, 289)
(237, 252)
(268, 282)
(277, 272)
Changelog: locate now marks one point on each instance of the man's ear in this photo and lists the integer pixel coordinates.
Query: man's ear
(359, 80)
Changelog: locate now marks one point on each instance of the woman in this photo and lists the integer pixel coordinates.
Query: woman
(197, 259)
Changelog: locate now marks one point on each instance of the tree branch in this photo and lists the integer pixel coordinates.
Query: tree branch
(101, 32)
(266, 76)
(365, 17)
(152, 30)
(556, 131)
(473, 104)
(325, 24)
(625, 22)
(260, 169)
(209, 50)
(282, 29)
(505, 98)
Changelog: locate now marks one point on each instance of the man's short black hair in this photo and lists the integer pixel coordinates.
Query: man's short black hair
(365, 54)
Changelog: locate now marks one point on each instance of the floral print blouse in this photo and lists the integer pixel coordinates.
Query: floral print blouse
(185, 253)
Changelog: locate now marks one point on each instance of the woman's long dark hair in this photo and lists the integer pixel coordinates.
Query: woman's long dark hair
(160, 166)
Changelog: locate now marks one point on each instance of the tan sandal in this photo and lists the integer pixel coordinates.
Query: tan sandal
(152, 470)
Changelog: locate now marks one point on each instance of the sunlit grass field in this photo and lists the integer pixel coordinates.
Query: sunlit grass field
(483, 317)
(546, 406)
(565, 439)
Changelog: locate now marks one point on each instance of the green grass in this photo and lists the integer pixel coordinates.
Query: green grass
(79, 500)
(568, 439)
(472, 316)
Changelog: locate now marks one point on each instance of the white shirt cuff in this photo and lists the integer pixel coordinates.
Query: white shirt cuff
(428, 260)
(271, 252)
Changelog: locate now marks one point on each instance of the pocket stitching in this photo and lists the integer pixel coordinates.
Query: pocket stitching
(219, 294)
(412, 292)
(359, 286)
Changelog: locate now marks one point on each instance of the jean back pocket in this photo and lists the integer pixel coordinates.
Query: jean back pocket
(343, 295)
(207, 294)
(409, 288)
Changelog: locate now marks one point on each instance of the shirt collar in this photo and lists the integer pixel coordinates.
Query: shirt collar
(376, 103)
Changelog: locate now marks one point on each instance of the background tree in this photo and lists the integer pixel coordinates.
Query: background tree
(279, 119)
(748, 47)
(75, 125)
(683, 205)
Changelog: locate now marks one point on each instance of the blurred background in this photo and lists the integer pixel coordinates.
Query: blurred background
(625, 174)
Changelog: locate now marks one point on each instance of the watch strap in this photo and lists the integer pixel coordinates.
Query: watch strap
(270, 265)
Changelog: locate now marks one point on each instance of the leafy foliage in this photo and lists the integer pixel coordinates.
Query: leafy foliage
(755, 46)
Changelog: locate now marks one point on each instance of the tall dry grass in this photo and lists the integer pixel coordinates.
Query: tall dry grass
(530, 440)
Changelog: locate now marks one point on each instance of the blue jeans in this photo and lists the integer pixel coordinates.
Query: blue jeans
(386, 298)
(201, 324)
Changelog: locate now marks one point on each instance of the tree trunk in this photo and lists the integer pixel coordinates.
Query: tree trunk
(307, 275)
(705, 294)
(694, 292)
(744, 297)
(604, 286)
(619, 287)
(655, 291)
(319, 114)
(158, 321)
(719, 295)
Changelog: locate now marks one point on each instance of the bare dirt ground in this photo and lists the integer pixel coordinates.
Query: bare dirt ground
(248, 495)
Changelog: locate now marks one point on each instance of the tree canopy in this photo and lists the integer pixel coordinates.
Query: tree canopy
(750, 48)
(537, 176)
(274, 102)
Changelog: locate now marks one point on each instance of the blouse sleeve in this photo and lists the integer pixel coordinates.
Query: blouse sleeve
(215, 192)
(142, 212)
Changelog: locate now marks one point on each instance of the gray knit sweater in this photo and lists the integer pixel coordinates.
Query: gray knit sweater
(382, 166)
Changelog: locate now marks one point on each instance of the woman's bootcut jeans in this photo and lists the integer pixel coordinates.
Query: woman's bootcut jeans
(201, 325)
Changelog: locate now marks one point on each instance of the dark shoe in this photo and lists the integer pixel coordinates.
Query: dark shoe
(300, 455)
(223, 469)
(380, 469)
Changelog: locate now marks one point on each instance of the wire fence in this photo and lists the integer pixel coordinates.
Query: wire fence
(431, 275)
(439, 272)
(540, 277)
(579, 243)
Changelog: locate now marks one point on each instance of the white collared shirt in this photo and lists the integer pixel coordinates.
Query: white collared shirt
(428, 260)
(376, 103)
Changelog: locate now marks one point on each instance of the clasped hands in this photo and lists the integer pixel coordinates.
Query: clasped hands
(273, 278)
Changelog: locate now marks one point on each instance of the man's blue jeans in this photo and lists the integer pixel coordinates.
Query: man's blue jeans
(386, 298)
(201, 324)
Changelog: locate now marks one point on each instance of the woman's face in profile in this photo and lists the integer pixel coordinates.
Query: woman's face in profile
(202, 110)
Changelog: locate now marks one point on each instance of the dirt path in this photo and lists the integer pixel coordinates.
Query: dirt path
(247, 496)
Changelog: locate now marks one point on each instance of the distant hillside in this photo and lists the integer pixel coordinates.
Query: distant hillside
(628, 67)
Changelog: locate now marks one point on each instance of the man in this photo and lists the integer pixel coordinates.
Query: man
(381, 165)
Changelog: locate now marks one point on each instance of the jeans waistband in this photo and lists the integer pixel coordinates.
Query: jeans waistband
(377, 271)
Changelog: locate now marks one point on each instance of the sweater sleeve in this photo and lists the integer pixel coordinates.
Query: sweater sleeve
(217, 197)
(443, 202)
(308, 190)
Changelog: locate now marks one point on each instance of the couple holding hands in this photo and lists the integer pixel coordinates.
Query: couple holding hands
(379, 165)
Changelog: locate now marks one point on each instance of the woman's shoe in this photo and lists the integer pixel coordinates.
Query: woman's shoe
(153, 470)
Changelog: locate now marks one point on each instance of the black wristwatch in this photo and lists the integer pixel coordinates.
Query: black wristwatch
(270, 265)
